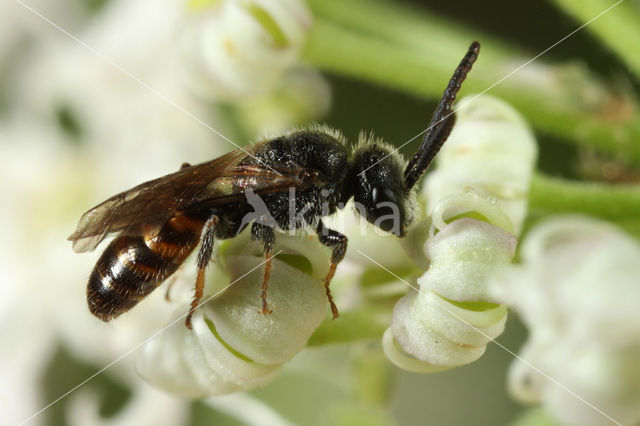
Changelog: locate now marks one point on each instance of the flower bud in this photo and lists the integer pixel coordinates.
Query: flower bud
(477, 199)
(233, 346)
(429, 324)
(577, 292)
(237, 49)
(491, 151)
(302, 95)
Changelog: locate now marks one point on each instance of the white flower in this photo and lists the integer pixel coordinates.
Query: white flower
(577, 291)
(240, 48)
(301, 95)
(232, 346)
(128, 134)
(21, 26)
(491, 151)
(45, 306)
(116, 114)
(484, 170)
(448, 321)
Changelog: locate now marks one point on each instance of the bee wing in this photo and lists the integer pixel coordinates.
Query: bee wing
(209, 184)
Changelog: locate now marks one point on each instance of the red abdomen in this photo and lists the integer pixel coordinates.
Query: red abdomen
(132, 266)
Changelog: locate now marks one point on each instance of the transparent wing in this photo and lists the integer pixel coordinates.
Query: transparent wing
(213, 183)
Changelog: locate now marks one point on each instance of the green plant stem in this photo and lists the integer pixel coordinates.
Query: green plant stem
(371, 374)
(618, 28)
(567, 101)
(410, 27)
(616, 203)
(535, 417)
(364, 323)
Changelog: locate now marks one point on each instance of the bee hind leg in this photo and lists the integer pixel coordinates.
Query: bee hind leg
(204, 255)
(337, 242)
(268, 237)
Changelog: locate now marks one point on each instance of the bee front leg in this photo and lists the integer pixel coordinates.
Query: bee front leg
(268, 237)
(204, 256)
(337, 242)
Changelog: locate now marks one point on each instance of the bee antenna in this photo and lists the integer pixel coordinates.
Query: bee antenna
(442, 121)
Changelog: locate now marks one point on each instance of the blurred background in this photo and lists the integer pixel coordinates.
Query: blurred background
(99, 95)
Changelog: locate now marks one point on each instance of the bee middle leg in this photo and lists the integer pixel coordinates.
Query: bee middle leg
(268, 237)
(337, 242)
(204, 256)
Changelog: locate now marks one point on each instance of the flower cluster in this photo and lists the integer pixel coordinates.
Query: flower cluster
(447, 323)
(577, 291)
(92, 117)
(477, 200)
(90, 103)
(232, 346)
(246, 54)
(234, 49)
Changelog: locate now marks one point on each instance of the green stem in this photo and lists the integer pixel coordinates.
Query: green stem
(364, 323)
(616, 203)
(410, 27)
(535, 417)
(617, 28)
(566, 100)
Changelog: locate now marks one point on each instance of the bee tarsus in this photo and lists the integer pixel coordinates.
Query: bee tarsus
(337, 242)
(268, 237)
(204, 256)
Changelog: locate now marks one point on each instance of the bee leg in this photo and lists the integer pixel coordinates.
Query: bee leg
(204, 256)
(172, 281)
(268, 237)
(337, 242)
(184, 165)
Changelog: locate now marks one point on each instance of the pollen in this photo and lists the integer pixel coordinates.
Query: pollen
(229, 46)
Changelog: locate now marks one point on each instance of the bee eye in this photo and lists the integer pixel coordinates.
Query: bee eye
(386, 213)
(383, 195)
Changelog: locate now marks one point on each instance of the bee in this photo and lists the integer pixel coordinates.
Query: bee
(159, 223)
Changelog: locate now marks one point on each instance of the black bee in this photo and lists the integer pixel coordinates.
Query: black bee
(160, 222)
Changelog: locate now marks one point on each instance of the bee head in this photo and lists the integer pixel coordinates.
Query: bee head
(378, 187)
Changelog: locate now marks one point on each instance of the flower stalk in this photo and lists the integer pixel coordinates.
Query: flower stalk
(565, 100)
(617, 203)
(617, 28)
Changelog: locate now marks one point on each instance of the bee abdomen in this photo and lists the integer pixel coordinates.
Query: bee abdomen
(132, 266)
